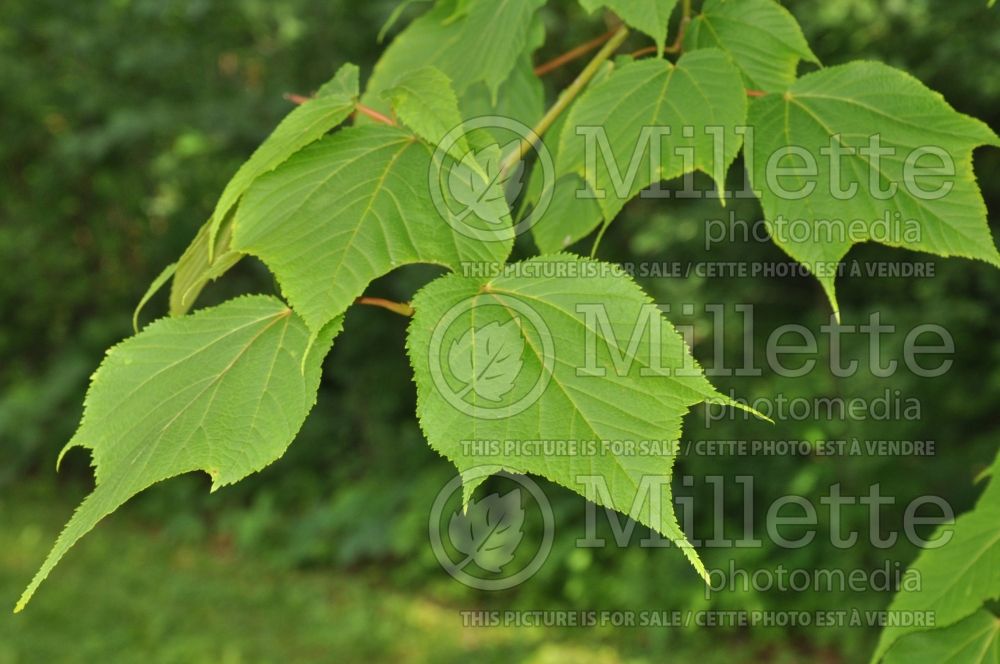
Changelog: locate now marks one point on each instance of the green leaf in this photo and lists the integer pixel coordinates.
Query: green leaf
(351, 208)
(973, 640)
(342, 87)
(476, 41)
(763, 38)
(426, 103)
(649, 16)
(520, 95)
(569, 216)
(957, 578)
(521, 98)
(704, 90)
(506, 359)
(306, 123)
(222, 391)
(153, 289)
(394, 17)
(198, 266)
(842, 107)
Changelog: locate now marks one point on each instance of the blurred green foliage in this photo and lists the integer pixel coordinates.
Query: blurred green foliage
(122, 121)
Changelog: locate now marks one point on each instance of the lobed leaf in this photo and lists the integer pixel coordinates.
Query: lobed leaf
(425, 101)
(843, 107)
(223, 391)
(154, 287)
(649, 16)
(521, 98)
(502, 359)
(762, 37)
(635, 105)
(471, 41)
(199, 265)
(208, 256)
(957, 578)
(352, 207)
(972, 640)
(334, 101)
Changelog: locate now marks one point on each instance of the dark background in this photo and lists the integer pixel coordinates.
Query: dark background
(120, 123)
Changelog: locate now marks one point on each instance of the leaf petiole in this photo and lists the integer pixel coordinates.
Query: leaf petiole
(401, 308)
(374, 115)
(678, 44)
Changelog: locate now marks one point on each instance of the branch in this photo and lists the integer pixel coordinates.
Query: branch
(573, 54)
(567, 96)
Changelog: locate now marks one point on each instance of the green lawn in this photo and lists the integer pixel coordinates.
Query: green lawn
(127, 593)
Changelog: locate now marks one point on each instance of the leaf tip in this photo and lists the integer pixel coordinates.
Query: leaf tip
(25, 599)
(829, 287)
(723, 400)
(62, 454)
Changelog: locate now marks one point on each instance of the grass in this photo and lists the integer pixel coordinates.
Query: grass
(129, 594)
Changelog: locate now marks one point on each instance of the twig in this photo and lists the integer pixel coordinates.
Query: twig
(573, 54)
(567, 96)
